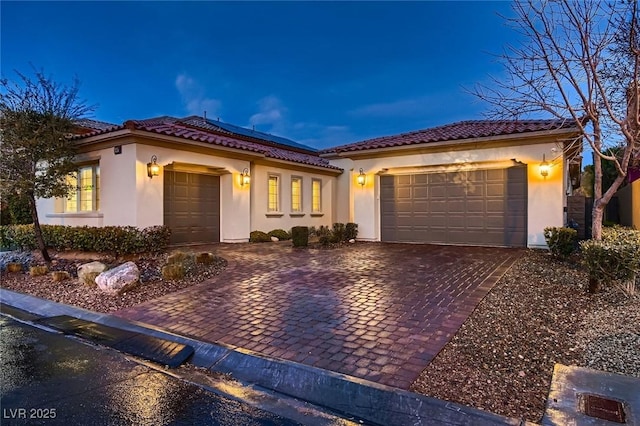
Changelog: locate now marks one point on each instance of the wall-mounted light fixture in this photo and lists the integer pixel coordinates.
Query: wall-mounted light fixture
(362, 178)
(245, 177)
(153, 169)
(544, 167)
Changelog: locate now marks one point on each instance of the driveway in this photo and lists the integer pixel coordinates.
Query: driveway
(376, 311)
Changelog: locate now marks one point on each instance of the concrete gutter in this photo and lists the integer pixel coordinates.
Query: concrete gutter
(372, 402)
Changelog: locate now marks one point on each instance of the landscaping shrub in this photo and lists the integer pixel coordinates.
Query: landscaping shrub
(562, 242)
(280, 234)
(351, 231)
(300, 236)
(116, 239)
(614, 259)
(38, 270)
(338, 233)
(324, 235)
(173, 271)
(259, 237)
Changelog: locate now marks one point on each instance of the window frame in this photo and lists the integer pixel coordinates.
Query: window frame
(300, 181)
(79, 196)
(319, 196)
(278, 180)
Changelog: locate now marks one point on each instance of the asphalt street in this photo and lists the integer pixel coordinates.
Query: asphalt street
(48, 378)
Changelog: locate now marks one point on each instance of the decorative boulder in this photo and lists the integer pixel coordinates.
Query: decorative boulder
(352, 240)
(119, 279)
(275, 239)
(88, 272)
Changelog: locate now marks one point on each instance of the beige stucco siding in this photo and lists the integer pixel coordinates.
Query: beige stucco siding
(545, 195)
(284, 218)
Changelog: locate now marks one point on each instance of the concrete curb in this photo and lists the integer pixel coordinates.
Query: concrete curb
(367, 400)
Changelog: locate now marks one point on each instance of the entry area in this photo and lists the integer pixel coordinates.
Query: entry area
(477, 207)
(192, 207)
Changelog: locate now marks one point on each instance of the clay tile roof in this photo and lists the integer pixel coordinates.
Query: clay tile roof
(93, 125)
(206, 132)
(456, 132)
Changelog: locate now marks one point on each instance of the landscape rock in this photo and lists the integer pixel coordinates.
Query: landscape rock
(88, 272)
(275, 239)
(119, 279)
(352, 240)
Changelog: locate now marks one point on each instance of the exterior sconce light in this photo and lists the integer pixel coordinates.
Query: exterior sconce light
(361, 177)
(245, 178)
(153, 169)
(544, 167)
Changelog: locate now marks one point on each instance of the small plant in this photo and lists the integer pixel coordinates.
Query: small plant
(351, 231)
(259, 237)
(89, 279)
(58, 276)
(562, 242)
(338, 233)
(173, 271)
(300, 236)
(37, 271)
(205, 258)
(324, 235)
(14, 267)
(614, 259)
(176, 257)
(280, 234)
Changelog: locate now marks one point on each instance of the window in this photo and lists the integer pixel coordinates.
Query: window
(274, 194)
(86, 196)
(296, 194)
(316, 195)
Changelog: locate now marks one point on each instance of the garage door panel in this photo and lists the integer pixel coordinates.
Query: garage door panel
(192, 207)
(480, 207)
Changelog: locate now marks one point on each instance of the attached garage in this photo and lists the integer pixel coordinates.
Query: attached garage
(192, 207)
(478, 207)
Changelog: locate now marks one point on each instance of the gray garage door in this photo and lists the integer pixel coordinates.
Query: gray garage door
(480, 207)
(192, 207)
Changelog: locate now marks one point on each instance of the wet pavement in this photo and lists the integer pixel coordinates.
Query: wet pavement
(50, 379)
(375, 311)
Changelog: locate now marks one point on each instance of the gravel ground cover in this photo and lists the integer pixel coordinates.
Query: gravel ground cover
(73, 292)
(502, 358)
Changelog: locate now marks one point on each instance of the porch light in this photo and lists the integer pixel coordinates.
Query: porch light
(544, 167)
(245, 178)
(361, 177)
(153, 169)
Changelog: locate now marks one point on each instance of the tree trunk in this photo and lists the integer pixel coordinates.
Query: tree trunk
(37, 230)
(597, 214)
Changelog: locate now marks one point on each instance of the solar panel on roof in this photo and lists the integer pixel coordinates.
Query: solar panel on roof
(260, 135)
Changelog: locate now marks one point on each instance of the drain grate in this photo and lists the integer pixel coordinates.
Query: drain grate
(603, 408)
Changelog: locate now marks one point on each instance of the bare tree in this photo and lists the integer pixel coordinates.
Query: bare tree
(36, 118)
(578, 60)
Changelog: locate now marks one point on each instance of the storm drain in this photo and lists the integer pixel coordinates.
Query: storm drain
(602, 408)
(158, 350)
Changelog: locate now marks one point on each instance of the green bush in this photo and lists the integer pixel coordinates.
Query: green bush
(280, 234)
(324, 235)
(614, 259)
(300, 236)
(338, 233)
(259, 237)
(116, 239)
(351, 231)
(562, 242)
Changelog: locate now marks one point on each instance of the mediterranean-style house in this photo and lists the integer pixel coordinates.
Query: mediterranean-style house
(494, 183)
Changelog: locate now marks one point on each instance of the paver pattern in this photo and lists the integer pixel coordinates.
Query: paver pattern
(376, 311)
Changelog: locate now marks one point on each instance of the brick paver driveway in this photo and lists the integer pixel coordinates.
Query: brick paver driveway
(371, 310)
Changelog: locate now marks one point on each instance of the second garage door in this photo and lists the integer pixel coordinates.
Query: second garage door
(192, 207)
(479, 207)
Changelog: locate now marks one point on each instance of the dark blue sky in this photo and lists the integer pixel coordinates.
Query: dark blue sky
(319, 73)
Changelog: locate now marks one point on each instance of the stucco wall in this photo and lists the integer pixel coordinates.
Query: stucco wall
(546, 195)
(262, 220)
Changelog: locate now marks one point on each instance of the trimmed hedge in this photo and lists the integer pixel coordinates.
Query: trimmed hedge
(280, 234)
(562, 242)
(259, 237)
(615, 258)
(116, 239)
(300, 236)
